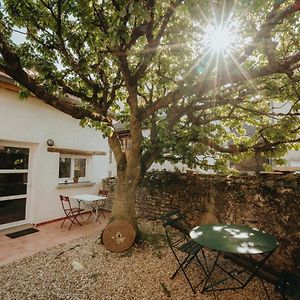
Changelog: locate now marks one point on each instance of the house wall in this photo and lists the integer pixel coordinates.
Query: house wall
(293, 159)
(30, 123)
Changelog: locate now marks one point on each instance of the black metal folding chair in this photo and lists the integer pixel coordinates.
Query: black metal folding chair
(288, 285)
(184, 249)
(71, 212)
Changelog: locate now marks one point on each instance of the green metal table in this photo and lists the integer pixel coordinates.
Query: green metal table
(234, 239)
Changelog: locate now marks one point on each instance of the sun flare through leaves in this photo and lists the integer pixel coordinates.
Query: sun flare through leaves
(220, 38)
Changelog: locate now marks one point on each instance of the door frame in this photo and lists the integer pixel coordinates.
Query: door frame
(28, 189)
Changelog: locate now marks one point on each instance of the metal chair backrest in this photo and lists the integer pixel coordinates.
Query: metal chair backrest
(65, 202)
(176, 219)
(103, 193)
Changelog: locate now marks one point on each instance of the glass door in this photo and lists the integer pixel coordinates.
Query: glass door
(13, 184)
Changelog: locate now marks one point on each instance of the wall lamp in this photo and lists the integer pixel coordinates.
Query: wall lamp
(50, 142)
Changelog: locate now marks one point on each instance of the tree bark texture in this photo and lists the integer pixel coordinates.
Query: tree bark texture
(124, 202)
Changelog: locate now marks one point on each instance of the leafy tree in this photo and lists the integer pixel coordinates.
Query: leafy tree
(194, 73)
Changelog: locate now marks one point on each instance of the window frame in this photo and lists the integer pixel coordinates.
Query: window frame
(86, 178)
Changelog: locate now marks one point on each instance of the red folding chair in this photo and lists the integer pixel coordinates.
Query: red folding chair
(71, 212)
(103, 193)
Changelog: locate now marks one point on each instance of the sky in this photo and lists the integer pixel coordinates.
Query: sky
(17, 37)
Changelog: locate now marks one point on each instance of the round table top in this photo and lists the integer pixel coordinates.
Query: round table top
(233, 238)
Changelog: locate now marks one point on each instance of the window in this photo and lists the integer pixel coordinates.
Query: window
(13, 158)
(71, 167)
(80, 167)
(64, 167)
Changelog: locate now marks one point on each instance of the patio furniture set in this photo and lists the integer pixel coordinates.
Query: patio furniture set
(215, 248)
(209, 245)
(93, 204)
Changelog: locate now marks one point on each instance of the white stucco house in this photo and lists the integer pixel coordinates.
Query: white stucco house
(41, 150)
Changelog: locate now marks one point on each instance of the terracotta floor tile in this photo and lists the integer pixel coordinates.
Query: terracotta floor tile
(49, 236)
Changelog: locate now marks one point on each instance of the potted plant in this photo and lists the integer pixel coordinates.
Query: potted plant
(75, 179)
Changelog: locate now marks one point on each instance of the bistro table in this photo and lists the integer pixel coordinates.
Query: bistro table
(90, 202)
(236, 240)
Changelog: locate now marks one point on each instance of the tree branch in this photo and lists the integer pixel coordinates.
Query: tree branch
(14, 69)
(153, 42)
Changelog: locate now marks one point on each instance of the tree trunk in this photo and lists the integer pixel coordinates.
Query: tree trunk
(128, 162)
(123, 207)
(120, 234)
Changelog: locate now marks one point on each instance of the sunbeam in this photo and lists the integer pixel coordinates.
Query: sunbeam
(219, 38)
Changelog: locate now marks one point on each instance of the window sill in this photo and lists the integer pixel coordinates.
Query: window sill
(73, 185)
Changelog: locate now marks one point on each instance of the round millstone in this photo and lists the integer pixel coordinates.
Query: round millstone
(118, 236)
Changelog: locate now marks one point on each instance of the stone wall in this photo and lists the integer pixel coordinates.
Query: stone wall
(269, 202)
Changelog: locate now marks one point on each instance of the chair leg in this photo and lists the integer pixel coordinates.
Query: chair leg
(264, 287)
(72, 222)
(100, 212)
(182, 267)
(75, 218)
(90, 213)
(66, 218)
(62, 224)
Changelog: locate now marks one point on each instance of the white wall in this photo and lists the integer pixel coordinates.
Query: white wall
(178, 166)
(30, 123)
(292, 157)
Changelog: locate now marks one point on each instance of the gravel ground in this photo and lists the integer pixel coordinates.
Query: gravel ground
(84, 270)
